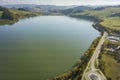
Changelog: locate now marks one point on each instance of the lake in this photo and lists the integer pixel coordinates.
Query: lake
(39, 48)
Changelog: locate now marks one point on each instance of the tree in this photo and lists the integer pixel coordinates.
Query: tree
(2, 8)
(109, 78)
(8, 15)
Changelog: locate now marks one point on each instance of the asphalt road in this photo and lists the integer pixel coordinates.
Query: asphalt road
(93, 74)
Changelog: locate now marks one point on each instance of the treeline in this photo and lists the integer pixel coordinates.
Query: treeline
(102, 28)
(116, 50)
(15, 14)
(10, 16)
(77, 71)
(7, 14)
(111, 49)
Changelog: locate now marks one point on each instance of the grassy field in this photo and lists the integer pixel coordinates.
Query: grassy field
(109, 60)
(100, 13)
(112, 22)
(1, 13)
(20, 12)
(112, 68)
(106, 16)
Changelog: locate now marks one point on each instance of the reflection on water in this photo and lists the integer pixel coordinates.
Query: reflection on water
(39, 48)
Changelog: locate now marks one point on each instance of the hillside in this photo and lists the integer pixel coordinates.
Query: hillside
(45, 9)
(9, 16)
(107, 18)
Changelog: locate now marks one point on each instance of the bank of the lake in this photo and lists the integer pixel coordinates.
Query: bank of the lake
(106, 19)
(76, 72)
(40, 47)
(11, 16)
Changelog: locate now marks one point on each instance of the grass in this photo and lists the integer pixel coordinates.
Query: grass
(96, 65)
(112, 23)
(112, 68)
(1, 13)
(100, 13)
(19, 13)
(108, 21)
(15, 11)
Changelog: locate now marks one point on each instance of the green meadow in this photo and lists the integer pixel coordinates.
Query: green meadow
(112, 68)
(109, 17)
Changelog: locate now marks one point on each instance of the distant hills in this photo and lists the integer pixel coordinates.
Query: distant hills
(34, 5)
(108, 16)
(47, 9)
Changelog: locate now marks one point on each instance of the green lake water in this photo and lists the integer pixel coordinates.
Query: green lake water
(41, 47)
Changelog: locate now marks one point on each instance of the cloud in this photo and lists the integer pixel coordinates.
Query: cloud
(63, 2)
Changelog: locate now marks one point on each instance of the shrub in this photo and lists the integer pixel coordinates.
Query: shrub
(8, 15)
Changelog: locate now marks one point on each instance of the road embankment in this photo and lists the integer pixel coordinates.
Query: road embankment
(76, 72)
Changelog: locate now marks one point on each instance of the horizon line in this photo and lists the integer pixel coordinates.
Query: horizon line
(64, 5)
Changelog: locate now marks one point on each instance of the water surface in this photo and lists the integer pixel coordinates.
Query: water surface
(39, 48)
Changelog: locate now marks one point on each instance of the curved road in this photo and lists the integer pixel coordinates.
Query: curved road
(91, 72)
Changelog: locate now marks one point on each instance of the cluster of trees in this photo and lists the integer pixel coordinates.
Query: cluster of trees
(10, 16)
(115, 54)
(77, 71)
(2, 8)
(101, 64)
(7, 14)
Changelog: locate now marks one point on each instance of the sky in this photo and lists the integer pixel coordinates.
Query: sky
(62, 2)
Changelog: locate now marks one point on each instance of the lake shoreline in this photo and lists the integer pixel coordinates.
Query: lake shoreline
(101, 29)
(11, 22)
(73, 71)
(79, 63)
(57, 41)
(77, 70)
(99, 26)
